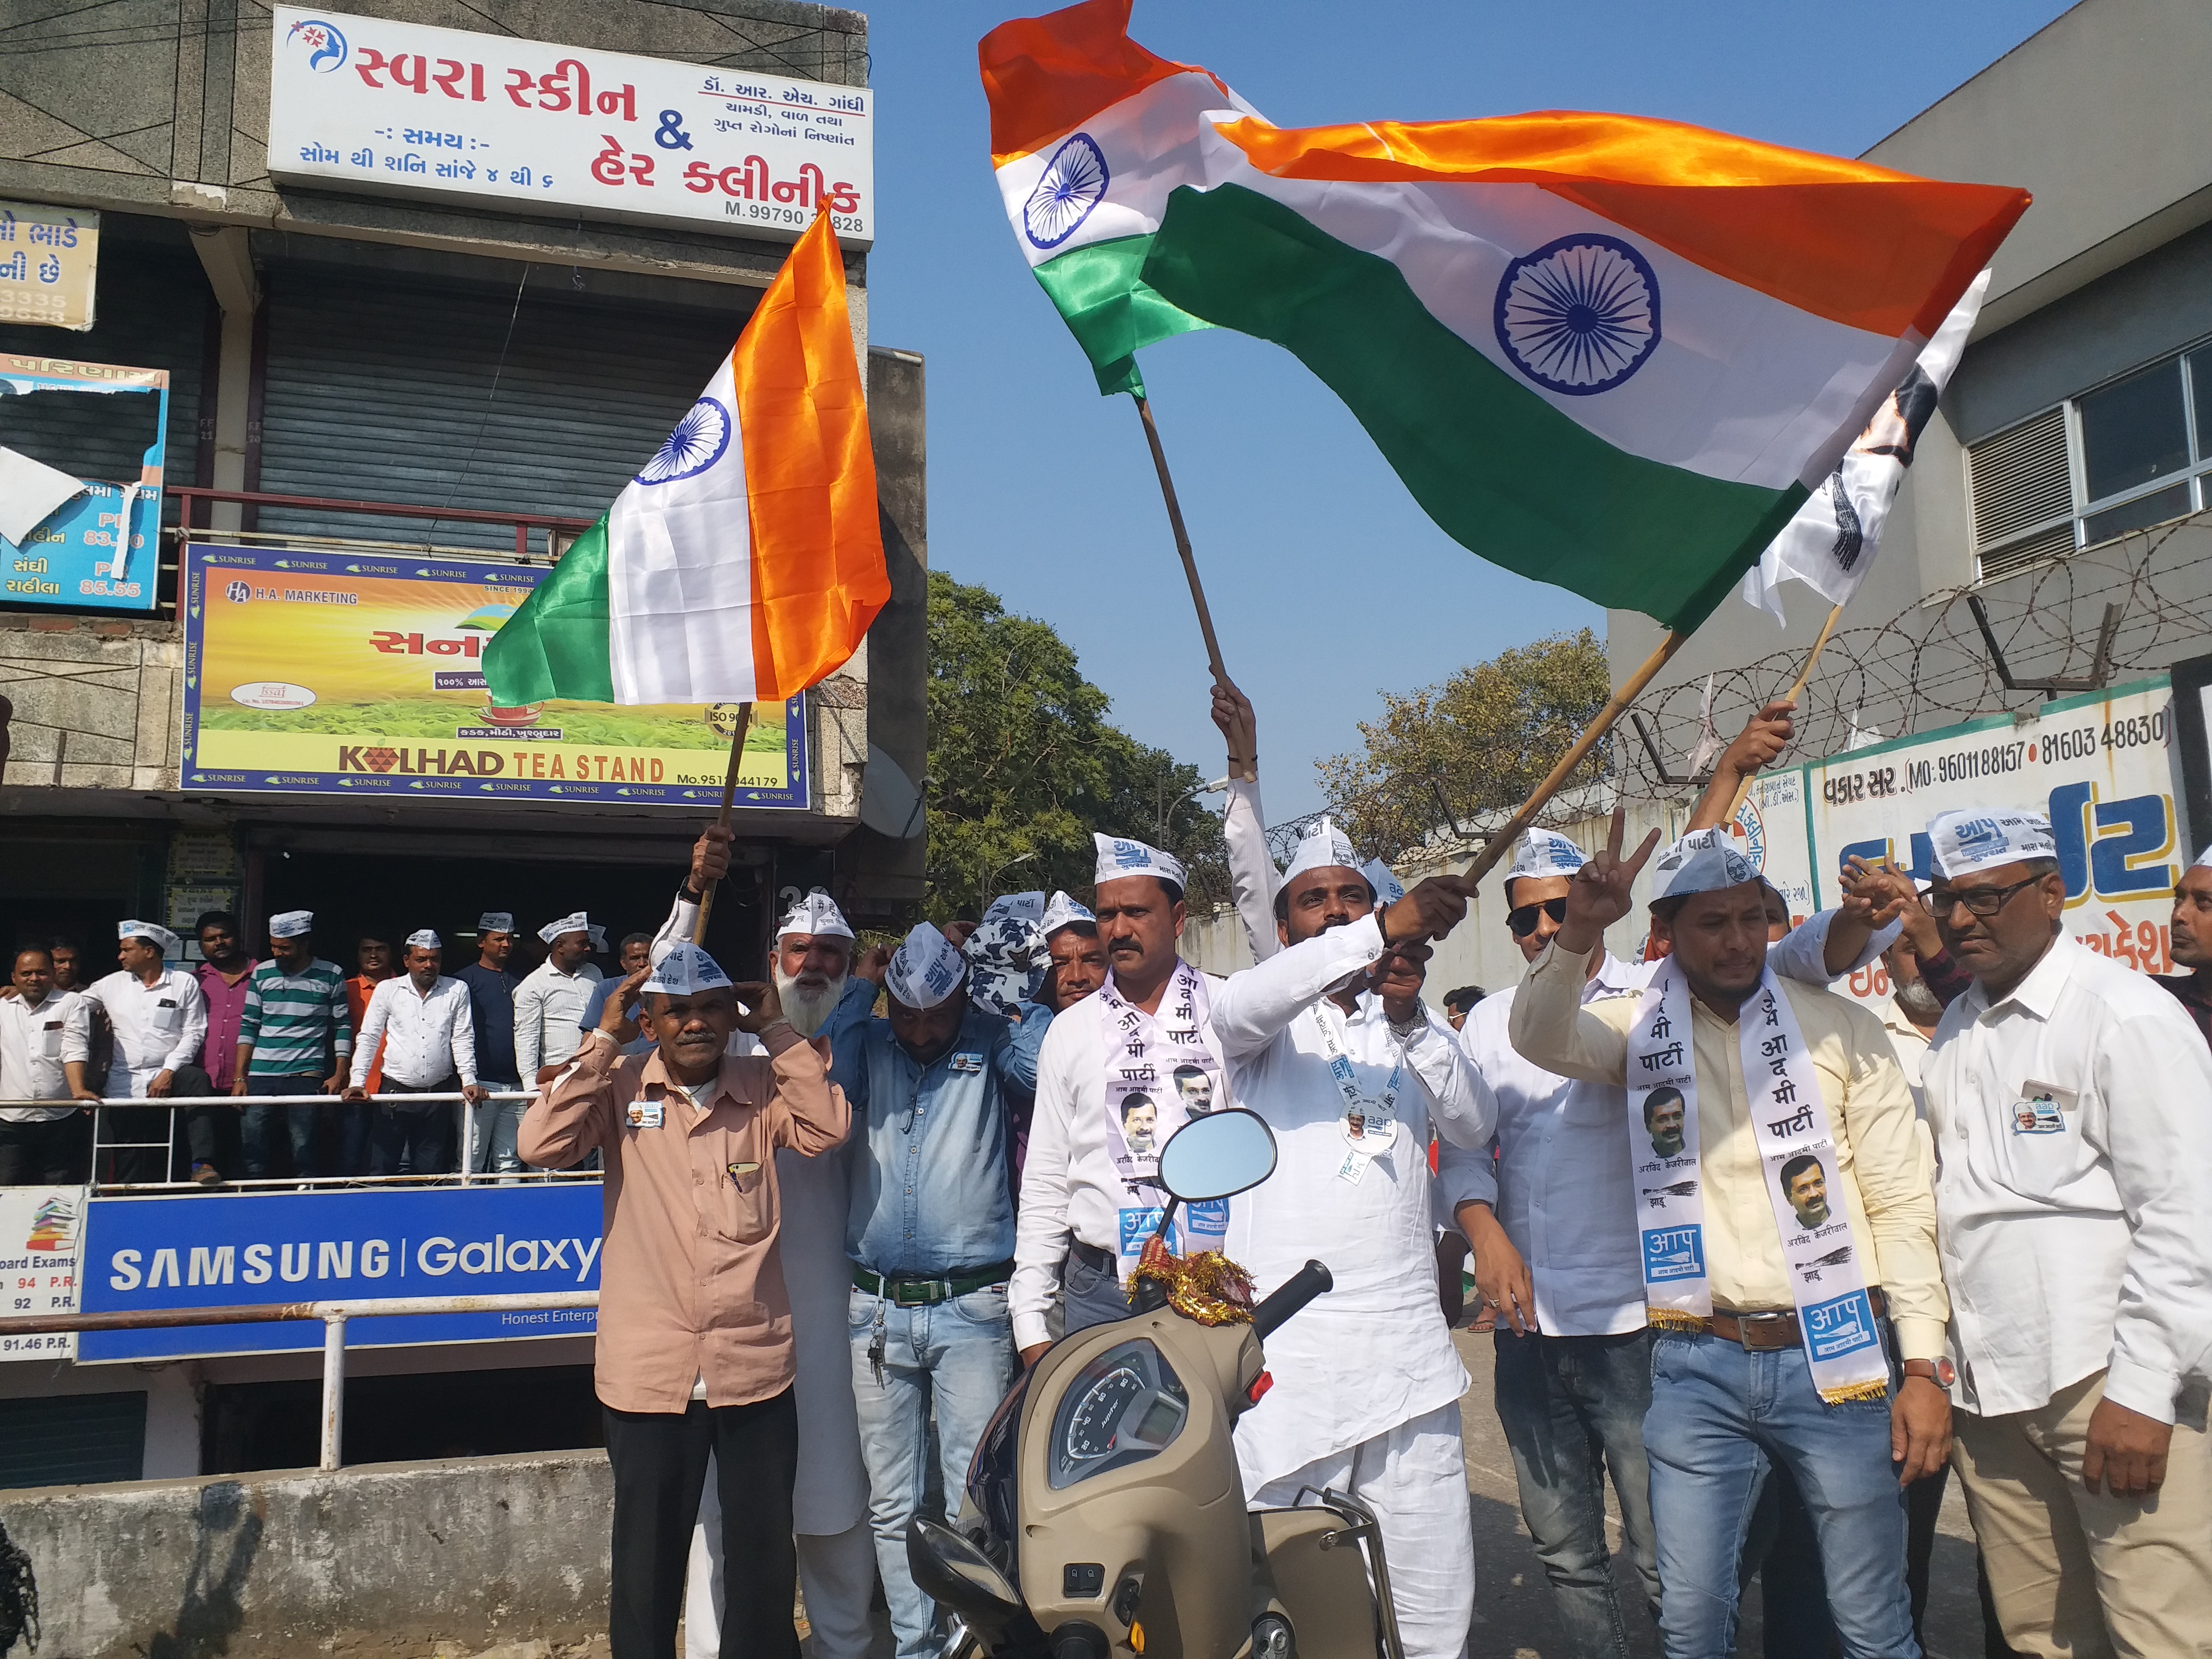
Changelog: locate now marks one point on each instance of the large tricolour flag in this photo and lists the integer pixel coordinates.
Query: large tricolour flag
(1607, 352)
(743, 562)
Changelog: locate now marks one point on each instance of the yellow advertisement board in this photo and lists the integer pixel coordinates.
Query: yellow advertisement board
(343, 673)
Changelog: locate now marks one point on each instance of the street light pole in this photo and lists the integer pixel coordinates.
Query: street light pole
(1160, 830)
(983, 888)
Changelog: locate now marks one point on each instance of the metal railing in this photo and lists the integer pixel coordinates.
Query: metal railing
(189, 496)
(334, 1316)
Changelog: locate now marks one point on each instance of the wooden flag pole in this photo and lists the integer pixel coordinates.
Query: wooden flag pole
(1183, 542)
(1501, 843)
(1797, 686)
(722, 818)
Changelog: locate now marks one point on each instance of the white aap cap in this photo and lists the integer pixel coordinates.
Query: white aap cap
(1981, 838)
(1061, 911)
(425, 938)
(152, 932)
(683, 970)
(292, 924)
(817, 914)
(1388, 890)
(1545, 852)
(1118, 857)
(925, 969)
(495, 921)
(1702, 862)
(1323, 846)
(2203, 861)
(576, 921)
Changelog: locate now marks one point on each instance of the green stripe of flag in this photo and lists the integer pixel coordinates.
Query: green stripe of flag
(1111, 310)
(1503, 472)
(556, 645)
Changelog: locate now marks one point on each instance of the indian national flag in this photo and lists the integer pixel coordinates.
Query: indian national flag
(1089, 133)
(743, 563)
(1607, 352)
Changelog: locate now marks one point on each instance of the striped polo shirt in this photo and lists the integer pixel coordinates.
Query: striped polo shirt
(294, 1020)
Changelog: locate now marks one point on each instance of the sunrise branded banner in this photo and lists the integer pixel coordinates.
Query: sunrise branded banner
(341, 673)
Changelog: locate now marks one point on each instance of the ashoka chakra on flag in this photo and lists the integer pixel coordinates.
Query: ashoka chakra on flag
(1580, 314)
(1074, 182)
(697, 442)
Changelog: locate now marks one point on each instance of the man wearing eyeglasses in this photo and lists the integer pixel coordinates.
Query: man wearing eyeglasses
(2071, 1104)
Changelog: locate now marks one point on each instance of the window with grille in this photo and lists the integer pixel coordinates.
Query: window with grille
(2135, 452)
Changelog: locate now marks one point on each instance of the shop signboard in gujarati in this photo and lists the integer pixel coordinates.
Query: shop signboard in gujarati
(2102, 766)
(99, 545)
(49, 265)
(343, 673)
(372, 104)
(42, 1239)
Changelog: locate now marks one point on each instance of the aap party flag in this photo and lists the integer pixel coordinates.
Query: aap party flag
(743, 563)
(1607, 352)
(1089, 133)
(1830, 544)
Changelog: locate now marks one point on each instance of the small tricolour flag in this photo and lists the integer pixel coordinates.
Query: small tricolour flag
(743, 562)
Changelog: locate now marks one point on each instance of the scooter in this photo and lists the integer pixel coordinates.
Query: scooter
(1104, 1517)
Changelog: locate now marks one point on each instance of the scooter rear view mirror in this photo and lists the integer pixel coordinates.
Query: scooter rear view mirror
(1218, 1156)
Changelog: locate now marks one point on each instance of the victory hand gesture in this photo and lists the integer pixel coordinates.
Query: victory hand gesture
(1599, 894)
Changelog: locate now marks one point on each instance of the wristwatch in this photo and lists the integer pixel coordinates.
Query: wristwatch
(1941, 1372)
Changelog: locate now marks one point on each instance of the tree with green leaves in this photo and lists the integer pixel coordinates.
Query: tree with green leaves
(1024, 764)
(1481, 740)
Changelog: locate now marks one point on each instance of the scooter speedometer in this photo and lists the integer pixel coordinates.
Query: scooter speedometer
(1125, 1405)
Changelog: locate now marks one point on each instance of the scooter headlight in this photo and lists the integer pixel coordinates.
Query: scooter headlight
(1125, 1405)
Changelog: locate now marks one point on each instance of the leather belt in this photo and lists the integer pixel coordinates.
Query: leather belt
(1769, 1332)
(1098, 1261)
(911, 1290)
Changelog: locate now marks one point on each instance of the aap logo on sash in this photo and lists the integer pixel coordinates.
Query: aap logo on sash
(1673, 1253)
(1834, 1329)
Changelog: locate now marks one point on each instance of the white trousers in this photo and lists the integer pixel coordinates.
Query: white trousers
(837, 1576)
(1414, 1477)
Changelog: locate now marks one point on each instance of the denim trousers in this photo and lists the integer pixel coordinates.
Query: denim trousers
(1572, 1408)
(955, 1357)
(1090, 1296)
(257, 1131)
(498, 1123)
(1720, 1416)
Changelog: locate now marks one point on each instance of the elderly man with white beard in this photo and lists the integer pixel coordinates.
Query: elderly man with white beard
(810, 962)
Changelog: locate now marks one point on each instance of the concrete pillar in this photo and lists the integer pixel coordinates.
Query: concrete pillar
(173, 1422)
(228, 261)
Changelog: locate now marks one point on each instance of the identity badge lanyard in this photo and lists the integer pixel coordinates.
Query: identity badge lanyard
(1371, 1124)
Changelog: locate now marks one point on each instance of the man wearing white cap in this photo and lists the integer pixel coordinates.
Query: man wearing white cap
(1089, 1198)
(810, 962)
(1770, 1332)
(1075, 961)
(423, 1018)
(491, 1012)
(1329, 1041)
(2191, 936)
(695, 1355)
(2071, 1104)
(294, 1037)
(159, 1015)
(550, 1002)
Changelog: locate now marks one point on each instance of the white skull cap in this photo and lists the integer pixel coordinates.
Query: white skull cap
(1118, 857)
(1322, 847)
(292, 924)
(2203, 861)
(1388, 890)
(925, 969)
(152, 932)
(1702, 862)
(495, 921)
(426, 938)
(1545, 852)
(817, 914)
(1981, 838)
(683, 970)
(576, 921)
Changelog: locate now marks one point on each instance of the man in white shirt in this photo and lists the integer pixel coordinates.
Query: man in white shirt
(45, 1038)
(429, 1047)
(2071, 1104)
(549, 1003)
(1328, 1040)
(159, 1015)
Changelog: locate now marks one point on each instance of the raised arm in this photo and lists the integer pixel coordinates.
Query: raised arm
(1252, 877)
(576, 1112)
(1762, 741)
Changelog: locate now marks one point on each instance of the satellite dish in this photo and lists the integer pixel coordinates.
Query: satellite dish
(890, 803)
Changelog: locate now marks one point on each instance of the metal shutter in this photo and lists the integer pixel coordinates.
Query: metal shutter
(68, 1440)
(383, 389)
(2023, 496)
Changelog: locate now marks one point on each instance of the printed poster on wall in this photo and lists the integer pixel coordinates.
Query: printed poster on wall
(350, 674)
(41, 1240)
(70, 539)
(2102, 766)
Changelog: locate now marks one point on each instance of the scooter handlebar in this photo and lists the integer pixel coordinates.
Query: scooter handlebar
(1300, 1288)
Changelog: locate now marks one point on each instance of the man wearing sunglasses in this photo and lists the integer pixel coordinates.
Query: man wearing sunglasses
(2071, 1103)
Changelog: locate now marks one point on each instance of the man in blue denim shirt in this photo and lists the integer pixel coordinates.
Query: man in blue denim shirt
(930, 1231)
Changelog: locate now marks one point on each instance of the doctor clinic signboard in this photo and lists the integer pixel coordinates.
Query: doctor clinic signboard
(2103, 767)
(351, 674)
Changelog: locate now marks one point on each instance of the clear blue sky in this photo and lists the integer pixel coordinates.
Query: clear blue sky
(1328, 584)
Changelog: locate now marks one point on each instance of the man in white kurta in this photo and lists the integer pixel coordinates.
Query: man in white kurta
(1366, 1381)
(811, 957)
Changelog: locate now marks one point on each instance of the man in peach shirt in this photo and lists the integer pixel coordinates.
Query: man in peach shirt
(694, 1349)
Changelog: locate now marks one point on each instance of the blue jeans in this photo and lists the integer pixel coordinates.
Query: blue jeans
(1720, 1416)
(1572, 1408)
(1090, 1296)
(957, 1357)
(257, 1131)
(498, 1123)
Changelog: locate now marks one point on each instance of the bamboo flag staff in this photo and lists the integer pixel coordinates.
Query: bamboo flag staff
(1183, 540)
(729, 801)
(1796, 688)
